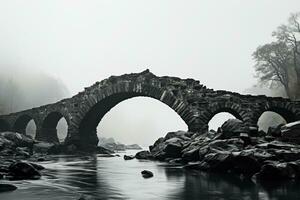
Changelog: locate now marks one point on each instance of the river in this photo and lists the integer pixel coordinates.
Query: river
(69, 177)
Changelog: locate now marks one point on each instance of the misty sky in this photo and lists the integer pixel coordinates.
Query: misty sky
(81, 42)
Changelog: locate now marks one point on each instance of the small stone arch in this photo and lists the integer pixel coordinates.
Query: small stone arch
(48, 130)
(228, 107)
(21, 123)
(286, 110)
(4, 126)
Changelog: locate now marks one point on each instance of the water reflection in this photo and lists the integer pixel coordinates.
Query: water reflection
(68, 177)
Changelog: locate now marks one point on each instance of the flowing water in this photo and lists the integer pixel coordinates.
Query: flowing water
(69, 177)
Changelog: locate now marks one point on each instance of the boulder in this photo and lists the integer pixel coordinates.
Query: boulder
(147, 174)
(20, 140)
(143, 155)
(103, 150)
(233, 128)
(7, 187)
(191, 155)
(218, 161)
(23, 170)
(275, 131)
(179, 134)
(276, 171)
(291, 132)
(128, 157)
(227, 145)
(5, 143)
(173, 150)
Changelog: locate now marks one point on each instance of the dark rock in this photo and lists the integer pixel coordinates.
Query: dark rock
(41, 159)
(233, 128)
(291, 132)
(20, 140)
(275, 131)
(218, 161)
(102, 150)
(191, 155)
(7, 187)
(144, 155)
(176, 161)
(147, 174)
(227, 145)
(22, 170)
(275, 171)
(173, 150)
(245, 164)
(128, 157)
(37, 166)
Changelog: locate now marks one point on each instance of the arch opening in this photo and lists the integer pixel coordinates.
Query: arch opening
(270, 119)
(22, 123)
(93, 119)
(286, 114)
(4, 126)
(31, 129)
(219, 119)
(54, 128)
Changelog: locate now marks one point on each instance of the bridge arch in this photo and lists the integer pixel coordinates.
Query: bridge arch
(21, 123)
(285, 110)
(4, 125)
(98, 104)
(225, 107)
(48, 128)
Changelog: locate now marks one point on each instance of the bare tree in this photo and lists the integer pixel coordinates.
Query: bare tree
(278, 63)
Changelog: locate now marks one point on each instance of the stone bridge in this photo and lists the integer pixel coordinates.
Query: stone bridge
(192, 101)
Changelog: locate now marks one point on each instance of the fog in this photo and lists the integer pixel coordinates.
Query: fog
(80, 42)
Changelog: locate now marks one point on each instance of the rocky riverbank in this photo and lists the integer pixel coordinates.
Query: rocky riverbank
(234, 148)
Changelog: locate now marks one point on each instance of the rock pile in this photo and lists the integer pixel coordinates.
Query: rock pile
(234, 148)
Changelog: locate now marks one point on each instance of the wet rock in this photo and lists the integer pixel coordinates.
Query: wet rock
(176, 161)
(7, 187)
(18, 139)
(245, 164)
(276, 171)
(233, 128)
(37, 166)
(128, 157)
(291, 132)
(179, 134)
(227, 145)
(218, 161)
(22, 170)
(144, 155)
(147, 174)
(102, 150)
(191, 155)
(275, 131)
(173, 149)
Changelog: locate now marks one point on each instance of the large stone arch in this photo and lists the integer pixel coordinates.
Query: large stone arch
(47, 129)
(21, 123)
(4, 125)
(100, 102)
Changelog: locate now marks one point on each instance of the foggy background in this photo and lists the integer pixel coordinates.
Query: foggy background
(53, 49)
